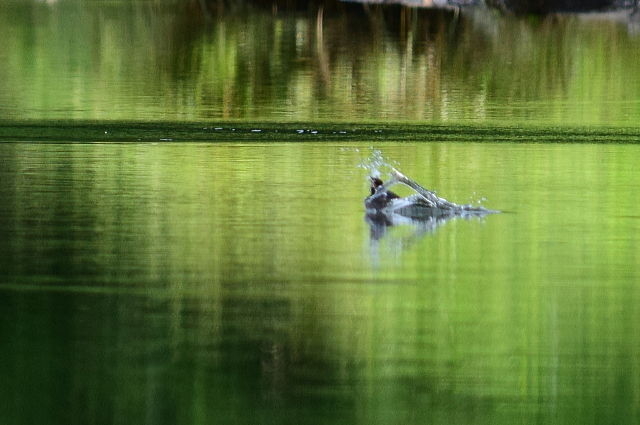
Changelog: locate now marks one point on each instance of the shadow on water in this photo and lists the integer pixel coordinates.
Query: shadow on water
(161, 360)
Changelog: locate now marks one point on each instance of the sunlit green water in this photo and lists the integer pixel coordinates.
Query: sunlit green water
(183, 236)
(191, 282)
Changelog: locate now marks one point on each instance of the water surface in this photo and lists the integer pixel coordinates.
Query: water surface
(194, 282)
(183, 235)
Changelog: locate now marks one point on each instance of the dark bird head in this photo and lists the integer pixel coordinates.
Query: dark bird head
(376, 182)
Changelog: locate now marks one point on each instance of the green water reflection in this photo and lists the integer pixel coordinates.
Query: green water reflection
(196, 282)
(171, 252)
(156, 61)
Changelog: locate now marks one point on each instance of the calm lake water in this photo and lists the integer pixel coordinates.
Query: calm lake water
(183, 235)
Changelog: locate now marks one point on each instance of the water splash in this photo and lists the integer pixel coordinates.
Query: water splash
(476, 199)
(377, 165)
